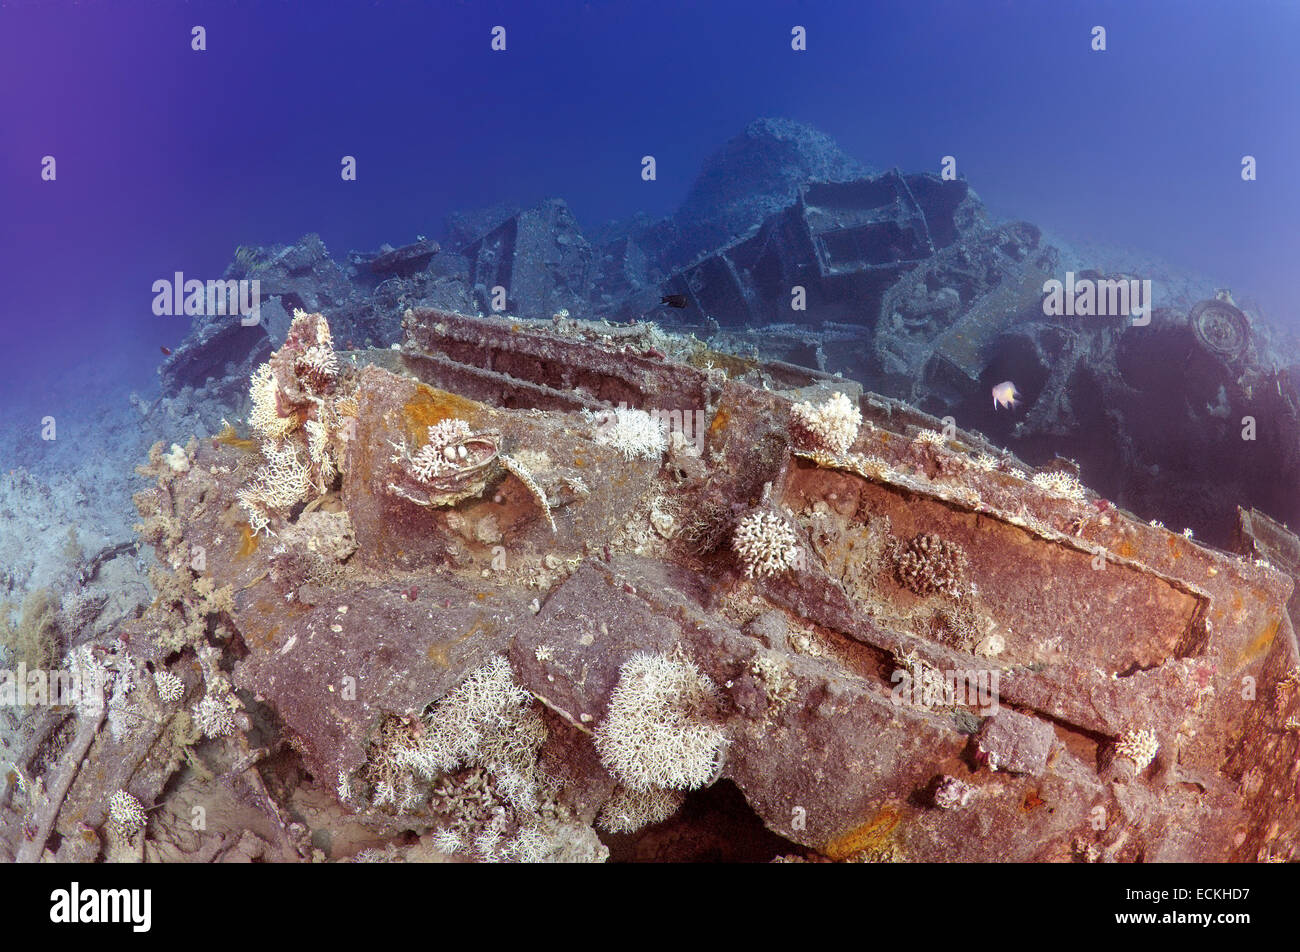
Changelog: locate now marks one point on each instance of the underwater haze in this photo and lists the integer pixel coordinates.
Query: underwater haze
(169, 158)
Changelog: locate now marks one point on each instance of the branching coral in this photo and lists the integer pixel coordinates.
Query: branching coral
(488, 721)
(930, 437)
(766, 543)
(634, 433)
(454, 464)
(929, 564)
(556, 841)
(630, 810)
(468, 805)
(473, 758)
(170, 688)
(316, 364)
(443, 453)
(1136, 750)
(322, 468)
(449, 841)
(306, 367)
(1064, 485)
(265, 417)
(294, 414)
(390, 762)
(657, 731)
(282, 482)
(125, 815)
(708, 523)
(831, 425)
(213, 717)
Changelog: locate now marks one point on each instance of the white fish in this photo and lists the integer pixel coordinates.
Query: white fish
(1005, 394)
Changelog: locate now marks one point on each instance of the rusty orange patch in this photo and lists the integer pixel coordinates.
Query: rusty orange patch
(263, 638)
(720, 420)
(439, 653)
(248, 541)
(428, 406)
(229, 437)
(1257, 647)
(872, 835)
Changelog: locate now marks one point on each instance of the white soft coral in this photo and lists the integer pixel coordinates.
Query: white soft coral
(280, 483)
(657, 730)
(830, 425)
(318, 364)
(265, 417)
(634, 433)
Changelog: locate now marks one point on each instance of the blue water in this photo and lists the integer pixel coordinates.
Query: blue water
(167, 159)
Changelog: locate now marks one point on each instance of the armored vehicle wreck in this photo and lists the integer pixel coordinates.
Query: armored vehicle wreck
(568, 590)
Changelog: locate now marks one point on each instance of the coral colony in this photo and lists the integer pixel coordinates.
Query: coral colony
(297, 416)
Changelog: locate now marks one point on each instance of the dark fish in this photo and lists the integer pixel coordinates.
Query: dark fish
(673, 300)
(166, 350)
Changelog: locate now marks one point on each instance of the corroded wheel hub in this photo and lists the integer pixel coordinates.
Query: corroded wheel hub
(1220, 328)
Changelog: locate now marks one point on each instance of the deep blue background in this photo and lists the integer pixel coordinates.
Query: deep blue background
(168, 158)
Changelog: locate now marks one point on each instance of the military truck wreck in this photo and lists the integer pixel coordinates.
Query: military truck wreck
(788, 249)
(484, 598)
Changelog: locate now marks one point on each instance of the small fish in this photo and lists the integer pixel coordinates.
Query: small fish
(167, 351)
(1005, 394)
(673, 300)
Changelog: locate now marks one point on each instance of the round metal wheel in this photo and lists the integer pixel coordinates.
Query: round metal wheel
(1220, 328)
